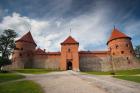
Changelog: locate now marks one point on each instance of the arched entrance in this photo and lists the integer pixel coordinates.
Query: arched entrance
(69, 65)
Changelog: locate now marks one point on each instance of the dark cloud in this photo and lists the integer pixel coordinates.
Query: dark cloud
(53, 17)
(70, 8)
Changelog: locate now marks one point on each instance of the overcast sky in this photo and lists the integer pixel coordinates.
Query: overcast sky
(91, 21)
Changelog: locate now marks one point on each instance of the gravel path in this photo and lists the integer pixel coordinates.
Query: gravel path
(73, 82)
(112, 85)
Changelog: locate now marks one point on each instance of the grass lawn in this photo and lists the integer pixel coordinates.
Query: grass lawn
(25, 86)
(122, 72)
(128, 72)
(96, 73)
(130, 78)
(9, 76)
(34, 71)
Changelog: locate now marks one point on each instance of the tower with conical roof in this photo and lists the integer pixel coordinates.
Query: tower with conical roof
(24, 51)
(120, 44)
(69, 54)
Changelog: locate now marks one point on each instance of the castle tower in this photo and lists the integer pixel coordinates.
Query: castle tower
(24, 51)
(69, 55)
(120, 44)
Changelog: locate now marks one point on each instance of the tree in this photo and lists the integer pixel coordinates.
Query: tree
(7, 44)
(137, 51)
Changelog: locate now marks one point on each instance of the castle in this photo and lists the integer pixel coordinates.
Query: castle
(120, 55)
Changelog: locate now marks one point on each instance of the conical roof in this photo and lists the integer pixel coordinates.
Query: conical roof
(117, 34)
(70, 40)
(27, 38)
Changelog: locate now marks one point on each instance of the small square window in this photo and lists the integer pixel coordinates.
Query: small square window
(127, 58)
(127, 45)
(113, 53)
(20, 55)
(117, 46)
(69, 49)
(110, 48)
(122, 52)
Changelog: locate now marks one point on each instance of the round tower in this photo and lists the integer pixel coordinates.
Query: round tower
(24, 51)
(120, 44)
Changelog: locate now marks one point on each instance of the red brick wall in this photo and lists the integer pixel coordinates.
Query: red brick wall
(69, 52)
(121, 47)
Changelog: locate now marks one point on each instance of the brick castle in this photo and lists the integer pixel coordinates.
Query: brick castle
(120, 55)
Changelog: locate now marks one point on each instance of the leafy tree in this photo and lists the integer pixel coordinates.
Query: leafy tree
(7, 44)
(137, 51)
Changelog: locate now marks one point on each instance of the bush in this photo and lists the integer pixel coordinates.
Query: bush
(5, 61)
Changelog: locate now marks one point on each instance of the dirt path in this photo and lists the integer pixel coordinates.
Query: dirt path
(72, 82)
(64, 82)
(112, 85)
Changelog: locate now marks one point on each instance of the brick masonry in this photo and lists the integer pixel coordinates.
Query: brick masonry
(119, 56)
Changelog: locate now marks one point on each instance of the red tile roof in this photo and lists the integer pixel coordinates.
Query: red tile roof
(93, 52)
(53, 53)
(70, 40)
(27, 38)
(117, 34)
(40, 52)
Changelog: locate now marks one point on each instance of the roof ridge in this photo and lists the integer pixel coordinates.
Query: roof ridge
(27, 38)
(70, 40)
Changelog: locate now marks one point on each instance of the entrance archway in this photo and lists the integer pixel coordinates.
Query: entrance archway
(69, 65)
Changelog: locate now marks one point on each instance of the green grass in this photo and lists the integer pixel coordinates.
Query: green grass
(97, 73)
(25, 86)
(34, 71)
(122, 72)
(128, 72)
(9, 76)
(130, 78)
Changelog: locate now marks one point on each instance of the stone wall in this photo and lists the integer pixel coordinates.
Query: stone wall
(19, 63)
(124, 63)
(47, 61)
(106, 63)
(94, 63)
(88, 62)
